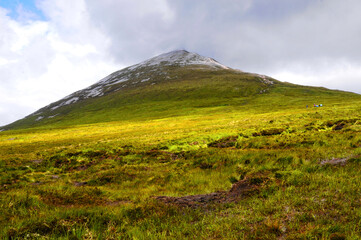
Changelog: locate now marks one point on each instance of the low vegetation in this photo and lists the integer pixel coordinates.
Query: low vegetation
(262, 167)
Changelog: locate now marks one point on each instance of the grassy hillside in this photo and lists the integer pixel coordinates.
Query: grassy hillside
(180, 91)
(120, 168)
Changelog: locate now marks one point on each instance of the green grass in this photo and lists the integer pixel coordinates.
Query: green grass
(186, 92)
(95, 176)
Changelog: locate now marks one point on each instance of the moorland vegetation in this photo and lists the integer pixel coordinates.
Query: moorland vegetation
(222, 156)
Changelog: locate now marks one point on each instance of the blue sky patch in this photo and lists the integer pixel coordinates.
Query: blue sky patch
(27, 6)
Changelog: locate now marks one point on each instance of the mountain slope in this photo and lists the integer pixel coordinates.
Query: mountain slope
(172, 84)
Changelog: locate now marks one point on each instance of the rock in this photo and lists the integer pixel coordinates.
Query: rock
(79, 184)
(335, 161)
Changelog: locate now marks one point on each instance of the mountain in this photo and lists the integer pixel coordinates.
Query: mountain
(147, 71)
(171, 84)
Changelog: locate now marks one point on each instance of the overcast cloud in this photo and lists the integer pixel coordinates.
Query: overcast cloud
(67, 45)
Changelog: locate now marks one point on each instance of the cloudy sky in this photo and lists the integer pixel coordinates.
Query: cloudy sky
(51, 48)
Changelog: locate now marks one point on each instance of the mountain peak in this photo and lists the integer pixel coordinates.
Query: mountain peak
(156, 70)
(180, 58)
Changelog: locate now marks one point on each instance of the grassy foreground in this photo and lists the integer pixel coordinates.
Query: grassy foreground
(98, 181)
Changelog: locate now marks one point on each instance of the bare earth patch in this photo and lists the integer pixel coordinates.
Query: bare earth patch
(335, 161)
(239, 190)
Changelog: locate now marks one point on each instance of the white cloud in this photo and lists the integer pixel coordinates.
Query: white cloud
(340, 75)
(43, 61)
(136, 29)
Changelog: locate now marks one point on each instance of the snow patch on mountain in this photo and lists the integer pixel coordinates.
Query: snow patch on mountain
(145, 80)
(110, 78)
(67, 102)
(53, 116)
(179, 57)
(72, 100)
(123, 79)
(95, 92)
